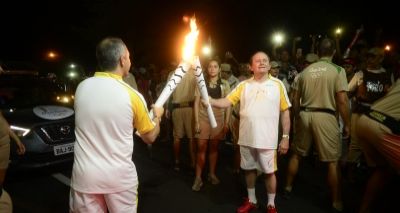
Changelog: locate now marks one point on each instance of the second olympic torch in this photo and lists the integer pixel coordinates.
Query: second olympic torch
(203, 90)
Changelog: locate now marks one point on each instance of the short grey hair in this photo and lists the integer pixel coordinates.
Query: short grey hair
(108, 53)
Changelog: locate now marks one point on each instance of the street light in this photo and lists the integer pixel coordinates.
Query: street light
(278, 38)
(206, 50)
(52, 55)
(72, 66)
(338, 31)
(388, 47)
(72, 74)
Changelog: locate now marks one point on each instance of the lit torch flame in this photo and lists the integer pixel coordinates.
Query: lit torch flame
(190, 41)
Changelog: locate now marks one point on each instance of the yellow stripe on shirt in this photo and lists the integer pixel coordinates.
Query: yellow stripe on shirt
(141, 117)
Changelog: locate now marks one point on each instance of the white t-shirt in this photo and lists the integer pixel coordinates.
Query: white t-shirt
(106, 112)
(260, 107)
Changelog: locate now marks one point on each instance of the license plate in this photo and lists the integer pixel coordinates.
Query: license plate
(63, 149)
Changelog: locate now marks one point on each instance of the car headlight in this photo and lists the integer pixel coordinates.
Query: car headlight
(20, 131)
(65, 98)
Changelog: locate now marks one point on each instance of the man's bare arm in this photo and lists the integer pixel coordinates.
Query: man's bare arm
(150, 136)
(220, 103)
(342, 102)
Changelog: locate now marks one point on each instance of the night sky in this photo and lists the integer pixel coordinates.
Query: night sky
(153, 30)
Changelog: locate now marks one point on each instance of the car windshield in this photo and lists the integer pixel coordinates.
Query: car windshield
(25, 91)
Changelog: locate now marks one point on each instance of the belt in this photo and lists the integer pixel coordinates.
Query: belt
(361, 107)
(364, 104)
(315, 109)
(183, 104)
(386, 120)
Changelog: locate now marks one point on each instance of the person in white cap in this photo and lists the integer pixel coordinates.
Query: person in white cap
(274, 71)
(226, 74)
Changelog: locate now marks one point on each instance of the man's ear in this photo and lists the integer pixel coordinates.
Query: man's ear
(121, 61)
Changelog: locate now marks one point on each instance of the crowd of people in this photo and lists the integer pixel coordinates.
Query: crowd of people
(330, 93)
(320, 103)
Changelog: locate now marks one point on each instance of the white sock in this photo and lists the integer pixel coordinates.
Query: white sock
(252, 195)
(271, 199)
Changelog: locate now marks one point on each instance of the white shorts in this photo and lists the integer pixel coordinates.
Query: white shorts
(264, 160)
(121, 202)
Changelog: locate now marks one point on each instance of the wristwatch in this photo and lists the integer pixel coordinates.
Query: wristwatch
(285, 136)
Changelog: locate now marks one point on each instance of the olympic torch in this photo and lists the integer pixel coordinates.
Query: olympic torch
(183, 68)
(203, 90)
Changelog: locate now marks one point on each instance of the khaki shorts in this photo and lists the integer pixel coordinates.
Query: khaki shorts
(182, 119)
(4, 155)
(124, 202)
(379, 149)
(319, 128)
(207, 132)
(264, 160)
(5, 202)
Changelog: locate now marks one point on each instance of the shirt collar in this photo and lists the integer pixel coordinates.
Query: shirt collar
(108, 74)
(326, 58)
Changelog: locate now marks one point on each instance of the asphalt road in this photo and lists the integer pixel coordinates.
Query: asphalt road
(161, 189)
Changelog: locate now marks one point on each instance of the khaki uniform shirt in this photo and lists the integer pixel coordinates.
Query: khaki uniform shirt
(319, 83)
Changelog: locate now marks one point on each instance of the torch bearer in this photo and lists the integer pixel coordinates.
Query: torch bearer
(203, 90)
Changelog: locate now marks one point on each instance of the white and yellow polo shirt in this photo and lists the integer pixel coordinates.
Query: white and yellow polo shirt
(260, 107)
(106, 112)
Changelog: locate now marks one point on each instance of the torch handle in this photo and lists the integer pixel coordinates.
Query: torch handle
(355, 38)
(211, 116)
(172, 83)
(203, 91)
(210, 112)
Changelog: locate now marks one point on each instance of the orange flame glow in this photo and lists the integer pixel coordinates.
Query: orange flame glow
(190, 41)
